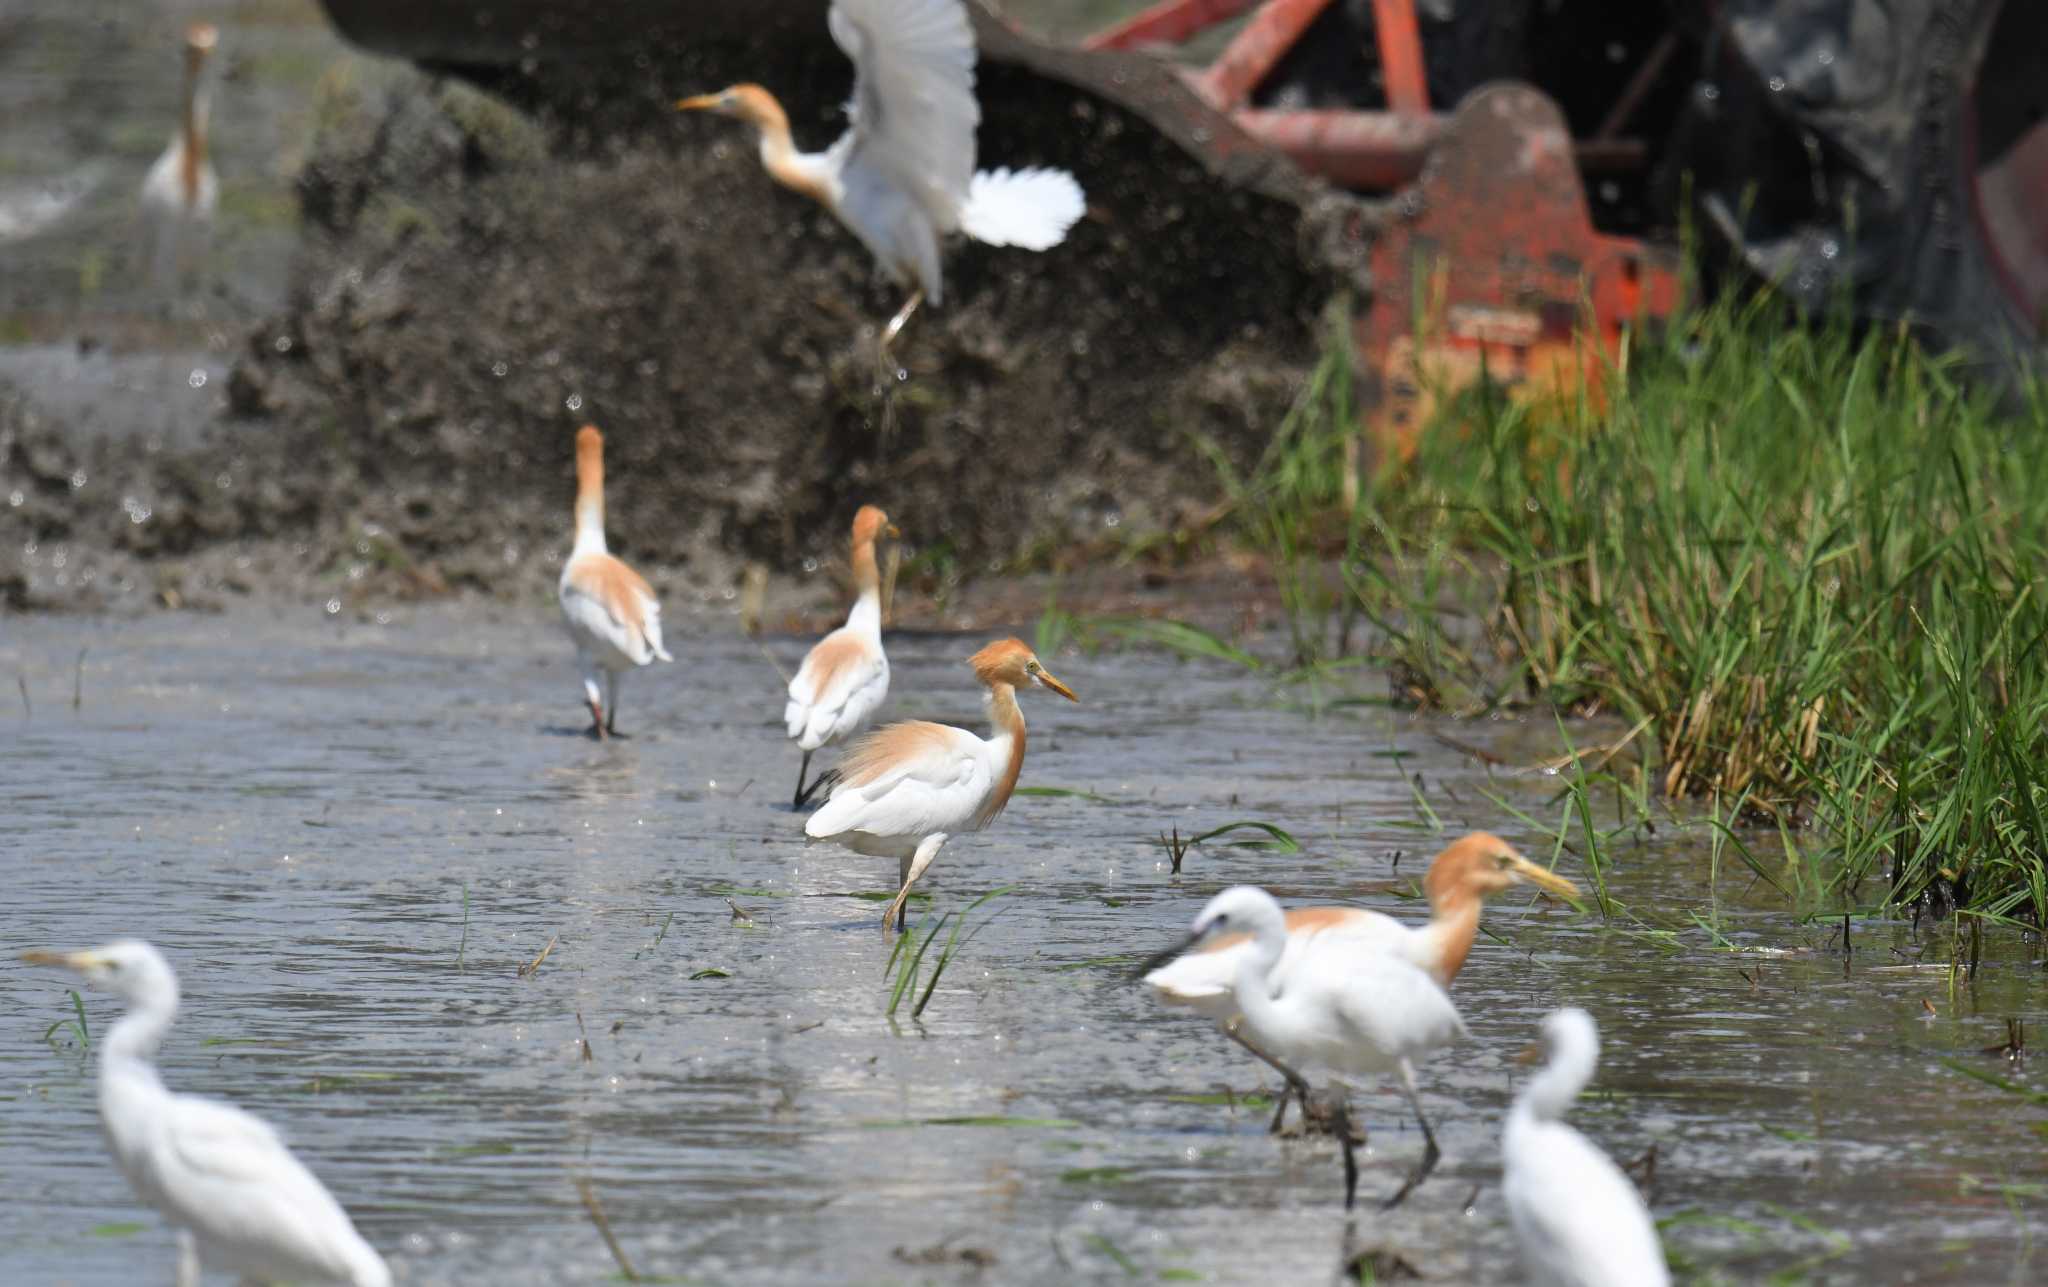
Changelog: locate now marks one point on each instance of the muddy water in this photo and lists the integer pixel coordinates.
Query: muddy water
(350, 837)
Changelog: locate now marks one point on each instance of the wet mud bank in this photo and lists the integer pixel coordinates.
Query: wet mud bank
(482, 271)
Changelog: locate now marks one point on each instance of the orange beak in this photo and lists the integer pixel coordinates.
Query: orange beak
(699, 103)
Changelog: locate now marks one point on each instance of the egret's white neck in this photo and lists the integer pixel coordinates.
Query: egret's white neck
(1549, 1094)
(128, 1051)
(1255, 972)
(811, 173)
(866, 617)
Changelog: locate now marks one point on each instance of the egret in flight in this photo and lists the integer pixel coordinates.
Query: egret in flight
(1578, 1220)
(1457, 884)
(610, 610)
(241, 1201)
(903, 176)
(846, 675)
(179, 195)
(1345, 1004)
(903, 789)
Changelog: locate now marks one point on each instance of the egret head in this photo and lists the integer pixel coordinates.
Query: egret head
(748, 102)
(201, 38)
(1010, 661)
(129, 968)
(1481, 863)
(869, 523)
(1241, 909)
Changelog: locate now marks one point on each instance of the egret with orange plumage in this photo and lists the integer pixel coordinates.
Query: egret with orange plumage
(1457, 884)
(179, 195)
(904, 789)
(610, 610)
(903, 176)
(846, 675)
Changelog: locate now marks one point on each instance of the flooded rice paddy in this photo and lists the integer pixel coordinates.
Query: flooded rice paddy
(350, 838)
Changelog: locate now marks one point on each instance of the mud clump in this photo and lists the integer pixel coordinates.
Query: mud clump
(478, 280)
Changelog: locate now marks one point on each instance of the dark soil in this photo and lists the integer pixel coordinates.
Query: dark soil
(477, 281)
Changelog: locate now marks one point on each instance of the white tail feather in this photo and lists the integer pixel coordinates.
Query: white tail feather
(1029, 208)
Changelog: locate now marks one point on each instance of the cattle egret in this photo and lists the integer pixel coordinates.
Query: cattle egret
(1579, 1222)
(902, 790)
(1458, 882)
(1346, 1004)
(846, 676)
(241, 1201)
(903, 176)
(610, 609)
(179, 195)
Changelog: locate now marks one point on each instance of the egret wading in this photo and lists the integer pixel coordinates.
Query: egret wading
(1577, 1219)
(1345, 1004)
(902, 176)
(904, 789)
(846, 675)
(1457, 885)
(241, 1201)
(179, 195)
(610, 610)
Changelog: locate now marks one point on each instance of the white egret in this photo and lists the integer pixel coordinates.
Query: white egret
(241, 1201)
(1457, 884)
(1345, 1004)
(181, 191)
(845, 675)
(903, 789)
(610, 610)
(903, 176)
(1578, 1220)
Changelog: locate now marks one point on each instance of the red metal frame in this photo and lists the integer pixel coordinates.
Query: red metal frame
(1491, 268)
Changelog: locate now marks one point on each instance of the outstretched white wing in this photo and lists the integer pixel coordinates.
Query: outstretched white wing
(913, 109)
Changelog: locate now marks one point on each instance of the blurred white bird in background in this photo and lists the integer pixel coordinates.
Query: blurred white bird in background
(1579, 1221)
(903, 176)
(845, 675)
(1345, 1004)
(181, 191)
(610, 610)
(241, 1201)
(902, 790)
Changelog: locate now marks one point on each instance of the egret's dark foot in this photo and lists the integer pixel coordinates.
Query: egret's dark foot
(1421, 1173)
(1347, 1142)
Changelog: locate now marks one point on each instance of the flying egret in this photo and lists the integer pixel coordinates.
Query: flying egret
(1457, 883)
(1579, 1222)
(179, 195)
(1346, 1004)
(903, 789)
(903, 176)
(241, 1201)
(846, 675)
(610, 609)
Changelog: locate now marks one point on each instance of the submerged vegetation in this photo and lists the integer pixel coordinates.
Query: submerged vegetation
(1802, 560)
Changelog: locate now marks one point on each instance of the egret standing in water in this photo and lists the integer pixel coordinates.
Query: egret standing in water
(1345, 1004)
(904, 789)
(846, 675)
(1579, 1222)
(610, 610)
(179, 195)
(241, 1201)
(1457, 884)
(903, 176)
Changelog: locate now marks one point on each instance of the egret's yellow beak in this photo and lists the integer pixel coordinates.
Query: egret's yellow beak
(69, 960)
(1544, 879)
(1045, 677)
(699, 103)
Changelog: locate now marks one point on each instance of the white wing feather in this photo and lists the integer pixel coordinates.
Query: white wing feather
(603, 636)
(939, 789)
(1207, 981)
(816, 718)
(913, 110)
(1031, 208)
(253, 1206)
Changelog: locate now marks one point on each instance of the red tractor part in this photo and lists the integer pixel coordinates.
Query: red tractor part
(1491, 267)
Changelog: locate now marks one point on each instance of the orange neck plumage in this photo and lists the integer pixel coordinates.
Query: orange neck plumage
(589, 492)
(1008, 719)
(192, 132)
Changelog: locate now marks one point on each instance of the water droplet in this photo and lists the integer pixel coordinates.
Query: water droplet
(333, 606)
(15, 498)
(1777, 84)
(498, 369)
(1828, 249)
(77, 479)
(574, 402)
(1825, 57)
(282, 344)
(1616, 51)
